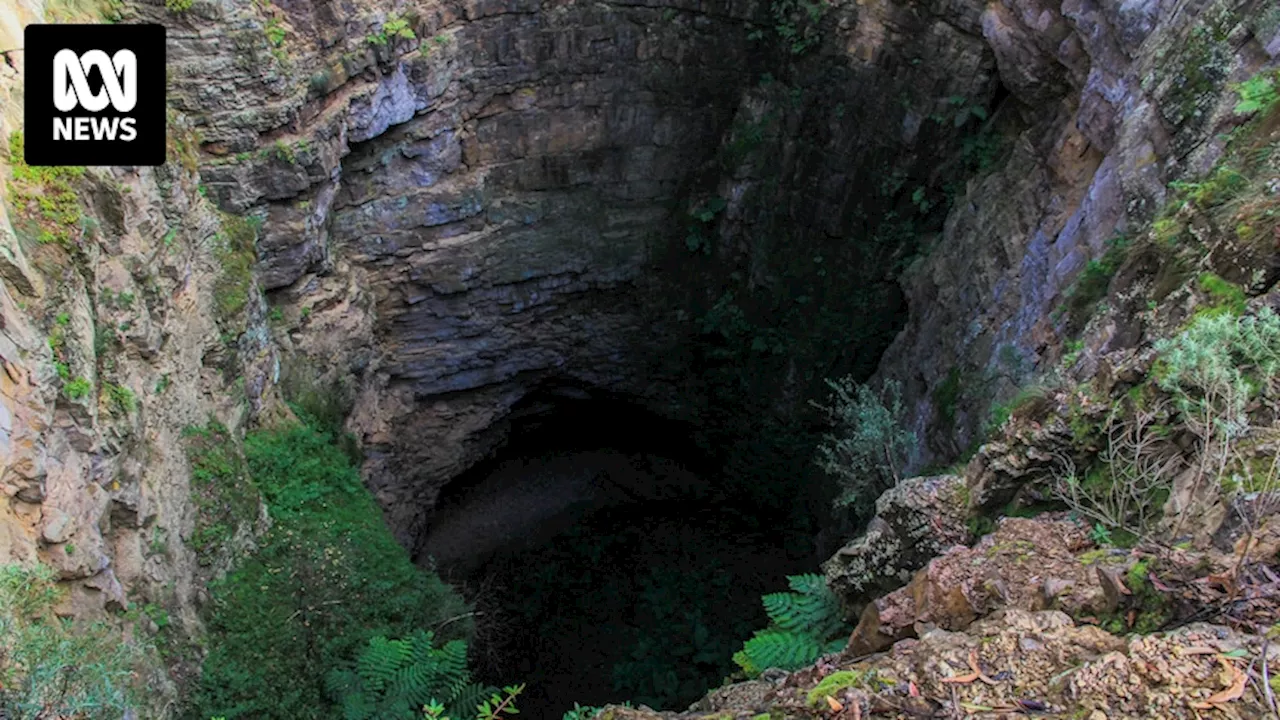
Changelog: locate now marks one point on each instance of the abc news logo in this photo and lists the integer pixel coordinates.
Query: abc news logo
(95, 95)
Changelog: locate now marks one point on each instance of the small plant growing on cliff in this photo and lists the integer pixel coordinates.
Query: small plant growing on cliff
(178, 6)
(869, 446)
(52, 668)
(1259, 93)
(796, 23)
(395, 28)
(44, 199)
(804, 624)
(77, 389)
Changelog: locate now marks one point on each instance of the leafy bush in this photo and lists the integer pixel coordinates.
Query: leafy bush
(78, 389)
(397, 678)
(1259, 93)
(805, 624)
(581, 712)
(50, 668)
(327, 577)
(869, 445)
(1217, 365)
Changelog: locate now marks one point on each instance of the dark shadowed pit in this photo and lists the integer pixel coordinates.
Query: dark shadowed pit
(605, 561)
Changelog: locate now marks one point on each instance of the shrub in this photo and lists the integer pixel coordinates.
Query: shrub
(805, 624)
(869, 445)
(1213, 371)
(1217, 365)
(78, 389)
(178, 6)
(51, 668)
(327, 577)
(1127, 490)
(120, 397)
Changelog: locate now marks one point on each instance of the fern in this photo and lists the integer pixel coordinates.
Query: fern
(397, 678)
(804, 624)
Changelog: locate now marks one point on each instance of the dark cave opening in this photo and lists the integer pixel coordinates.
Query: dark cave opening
(606, 560)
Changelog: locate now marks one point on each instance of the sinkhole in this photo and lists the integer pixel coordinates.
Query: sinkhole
(607, 558)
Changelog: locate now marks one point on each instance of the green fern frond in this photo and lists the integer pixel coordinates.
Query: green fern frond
(379, 662)
(466, 699)
(804, 624)
(779, 649)
(809, 584)
(396, 678)
(812, 609)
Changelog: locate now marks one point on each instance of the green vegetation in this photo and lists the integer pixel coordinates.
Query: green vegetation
(581, 712)
(675, 649)
(497, 706)
(77, 389)
(282, 151)
(1259, 94)
(46, 206)
(1217, 366)
(833, 684)
(796, 23)
(947, 396)
(398, 678)
(53, 668)
(804, 624)
(1152, 609)
(178, 6)
(869, 443)
(1211, 373)
(394, 28)
(325, 578)
(1225, 297)
(697, 237)
(236, 252)
(1091, 286)
(226, 501)
(120, 397)
(275, 32)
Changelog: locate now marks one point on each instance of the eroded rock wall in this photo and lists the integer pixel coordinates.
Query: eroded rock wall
(1121, 98)
(112, 343)
(453, 219)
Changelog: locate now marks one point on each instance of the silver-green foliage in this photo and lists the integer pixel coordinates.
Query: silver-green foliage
(1217, 366)
(869, 444)
(50, 668)
(804, 624)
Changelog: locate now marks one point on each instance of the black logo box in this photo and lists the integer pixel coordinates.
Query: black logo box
(41, 43)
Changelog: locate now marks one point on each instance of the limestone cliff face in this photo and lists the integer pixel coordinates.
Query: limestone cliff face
(110, 345)
(494, 199)
(455, 219)
(1120, 98)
